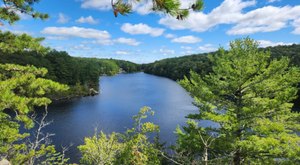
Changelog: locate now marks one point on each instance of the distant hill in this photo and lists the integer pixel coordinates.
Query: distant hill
(81, 74)
(177, 68)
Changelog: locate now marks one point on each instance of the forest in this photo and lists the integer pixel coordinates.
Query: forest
(177, 68)
(81, 74)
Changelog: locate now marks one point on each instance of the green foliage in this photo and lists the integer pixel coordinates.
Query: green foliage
(177, 68)
(11, 9)
(22, 89)
(100, 149)
(132, 147)
(12, 43)
(81, 74)
(249, 96)
(170, 7)
(127, 66)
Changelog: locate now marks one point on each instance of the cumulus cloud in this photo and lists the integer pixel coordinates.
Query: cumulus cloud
(296, 24)
(227, 12)
(127, 41)
(266, 43)
(166, 51)
(121, 52)
(170, 35)
(271, 1)
(207, 48)
(96, 4)
(187, 39)
(56, 38)
(103, 42)
(62, 18)
(141, 28)
(265, 19)
(81, 47)
(186, 47)
(76, 32)
(89, 20)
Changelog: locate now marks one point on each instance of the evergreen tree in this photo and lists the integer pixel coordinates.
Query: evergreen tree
(10, 10)
(249, 96)
(22, 89)
(170, 7)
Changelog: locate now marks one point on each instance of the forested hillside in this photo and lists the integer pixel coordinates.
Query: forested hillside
(81, 74)
(177, 68)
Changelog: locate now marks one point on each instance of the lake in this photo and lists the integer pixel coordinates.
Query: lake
(121, 97)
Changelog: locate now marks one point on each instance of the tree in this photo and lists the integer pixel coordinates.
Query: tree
(10, 10)
(249, 96)
(170, 7)
(12, 43)
(22, 89)
(132, 147)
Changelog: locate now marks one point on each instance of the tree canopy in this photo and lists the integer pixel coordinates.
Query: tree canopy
(11, 10)
(249, 96)
(170, 7)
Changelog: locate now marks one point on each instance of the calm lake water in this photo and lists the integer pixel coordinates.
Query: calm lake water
(121, 97)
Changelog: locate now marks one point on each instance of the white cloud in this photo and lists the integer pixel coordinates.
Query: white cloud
(266, 43)
(56, 38)
(187, 52)
(77, 32)
(89, 20)
(271, 1)
(186, 47)
(121, 52)
(228, 12)
(103, 42)
(170, 36)
(62, 18)
(187, 39)
(96, 4)
(127, 41)
(296, 24)
(265, 19)
(141, 29)
(81, 47)
(165, 51)
(143, 8)
(207, 48)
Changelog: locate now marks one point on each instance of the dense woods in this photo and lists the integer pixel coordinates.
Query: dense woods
(177, 68)
(81, 74)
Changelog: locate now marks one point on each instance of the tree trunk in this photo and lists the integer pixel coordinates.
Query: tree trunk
(237, 158)
(205, 156)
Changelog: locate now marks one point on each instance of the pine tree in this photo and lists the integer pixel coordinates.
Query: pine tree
(249, 96)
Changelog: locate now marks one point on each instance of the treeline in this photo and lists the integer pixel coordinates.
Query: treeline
(177, 68)
(81, 74)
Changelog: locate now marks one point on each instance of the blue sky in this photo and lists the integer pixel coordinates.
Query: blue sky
(88, 28)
